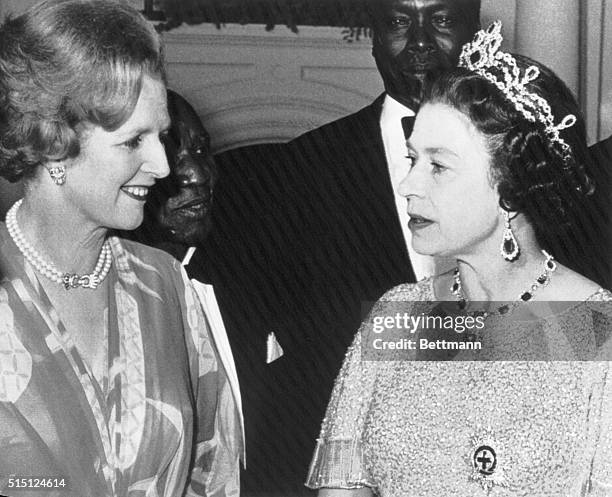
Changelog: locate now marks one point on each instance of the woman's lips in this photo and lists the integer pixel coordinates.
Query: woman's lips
(418, 222)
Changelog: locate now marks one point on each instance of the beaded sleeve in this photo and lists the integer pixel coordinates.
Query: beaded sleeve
(600, 483)
(338, 460)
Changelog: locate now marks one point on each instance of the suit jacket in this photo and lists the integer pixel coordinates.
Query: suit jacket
(600, 170)
(306, 236)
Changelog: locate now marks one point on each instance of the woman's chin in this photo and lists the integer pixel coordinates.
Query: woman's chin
(423, 249)
(128, 223)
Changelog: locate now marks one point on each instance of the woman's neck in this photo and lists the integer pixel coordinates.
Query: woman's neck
(492, 278)
(58, 236)
(486, 276)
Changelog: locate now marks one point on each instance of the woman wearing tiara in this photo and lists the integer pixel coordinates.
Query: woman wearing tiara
(109, 381)
(497, 161)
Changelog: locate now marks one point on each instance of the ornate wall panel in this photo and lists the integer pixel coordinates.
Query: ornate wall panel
(252, 86)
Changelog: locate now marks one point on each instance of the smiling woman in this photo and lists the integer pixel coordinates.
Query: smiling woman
(90, 398)
(122, 164)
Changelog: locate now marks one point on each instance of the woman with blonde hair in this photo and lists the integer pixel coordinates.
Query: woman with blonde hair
(110, 383)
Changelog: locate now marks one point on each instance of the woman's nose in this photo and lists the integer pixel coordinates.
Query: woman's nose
(156, 162)
(413, 184)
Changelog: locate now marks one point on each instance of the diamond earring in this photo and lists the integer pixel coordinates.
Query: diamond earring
(58, 174)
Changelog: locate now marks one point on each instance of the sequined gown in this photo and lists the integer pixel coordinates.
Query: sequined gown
(471, 428)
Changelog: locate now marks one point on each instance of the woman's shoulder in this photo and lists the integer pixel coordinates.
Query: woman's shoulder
(601, 295)
(568, 285)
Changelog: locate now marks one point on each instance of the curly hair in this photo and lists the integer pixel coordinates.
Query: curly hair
(530, 171)
(65, 63)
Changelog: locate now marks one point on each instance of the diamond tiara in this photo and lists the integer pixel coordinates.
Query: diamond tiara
(483, 57)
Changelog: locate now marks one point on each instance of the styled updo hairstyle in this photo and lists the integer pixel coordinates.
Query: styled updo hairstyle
(64, 63)
(532, 174)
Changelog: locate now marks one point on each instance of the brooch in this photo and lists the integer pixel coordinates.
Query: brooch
(486, 462)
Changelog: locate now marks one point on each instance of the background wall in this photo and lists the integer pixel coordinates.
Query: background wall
(252, 86)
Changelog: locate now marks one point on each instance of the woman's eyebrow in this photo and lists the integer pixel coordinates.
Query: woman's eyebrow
(441, 151)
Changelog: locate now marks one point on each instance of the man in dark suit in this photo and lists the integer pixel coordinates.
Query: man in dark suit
(602, 148)
(306, 235)
(601, 204)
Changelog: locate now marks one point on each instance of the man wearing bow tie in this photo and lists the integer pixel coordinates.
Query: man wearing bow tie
(308, 233)
(599, 258)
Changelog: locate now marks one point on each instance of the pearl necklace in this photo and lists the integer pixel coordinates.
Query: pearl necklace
(47, 269)
(549, 266)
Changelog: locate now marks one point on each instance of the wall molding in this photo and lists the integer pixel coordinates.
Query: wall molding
(252, 86)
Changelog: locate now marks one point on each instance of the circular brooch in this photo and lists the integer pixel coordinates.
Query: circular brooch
(484, 459)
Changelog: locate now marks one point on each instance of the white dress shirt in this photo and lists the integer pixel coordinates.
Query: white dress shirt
(396, 151)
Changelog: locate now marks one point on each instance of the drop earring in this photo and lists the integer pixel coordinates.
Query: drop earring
(509, 246)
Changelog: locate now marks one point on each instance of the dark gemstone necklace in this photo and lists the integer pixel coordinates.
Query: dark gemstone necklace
(549, 265)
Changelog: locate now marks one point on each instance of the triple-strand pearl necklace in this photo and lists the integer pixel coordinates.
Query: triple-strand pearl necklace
(47, 269)
(549, 266)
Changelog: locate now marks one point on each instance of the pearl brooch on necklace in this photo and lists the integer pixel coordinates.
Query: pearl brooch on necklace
(47, 269)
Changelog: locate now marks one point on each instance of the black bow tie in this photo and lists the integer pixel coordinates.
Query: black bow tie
(407, 125)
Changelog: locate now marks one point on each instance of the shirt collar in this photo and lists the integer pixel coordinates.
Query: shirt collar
(393, 111)
(188, 256)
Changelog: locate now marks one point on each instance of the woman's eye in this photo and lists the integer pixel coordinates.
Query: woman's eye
(133, 143)
(411, 161)
(438, 168)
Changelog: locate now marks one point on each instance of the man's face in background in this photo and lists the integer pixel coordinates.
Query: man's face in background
(415, 39)
(181, 203)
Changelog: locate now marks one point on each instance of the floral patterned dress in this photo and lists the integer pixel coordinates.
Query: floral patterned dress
(161, 422)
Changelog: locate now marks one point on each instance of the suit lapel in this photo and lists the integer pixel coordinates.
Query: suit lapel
(372, 171)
